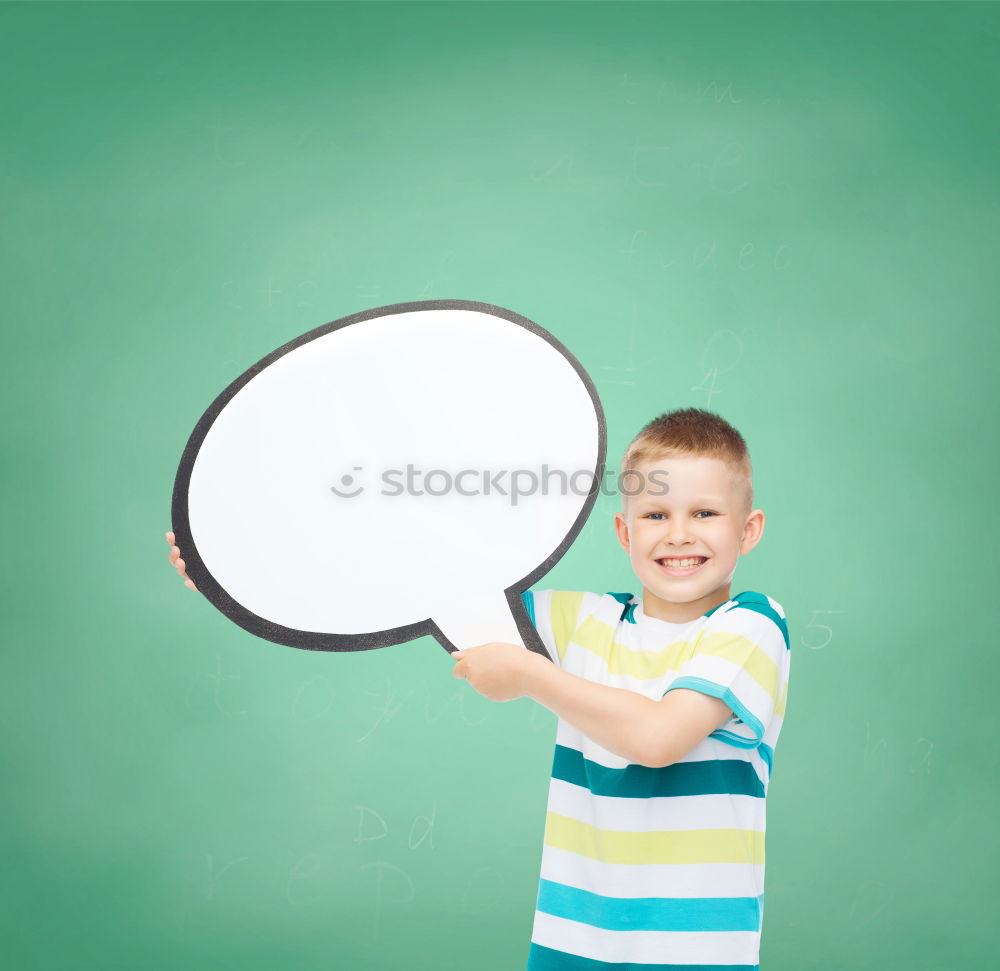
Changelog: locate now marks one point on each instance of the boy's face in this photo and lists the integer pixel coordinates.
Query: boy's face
(688, 507)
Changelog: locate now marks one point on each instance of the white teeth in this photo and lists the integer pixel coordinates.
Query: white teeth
(682, 564)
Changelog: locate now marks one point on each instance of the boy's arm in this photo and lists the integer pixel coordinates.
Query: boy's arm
(644, 731)
(647, 732)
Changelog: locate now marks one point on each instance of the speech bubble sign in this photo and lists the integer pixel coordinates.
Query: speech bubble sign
(404, 471)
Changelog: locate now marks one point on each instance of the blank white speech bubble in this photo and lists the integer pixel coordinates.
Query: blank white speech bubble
(370, 482)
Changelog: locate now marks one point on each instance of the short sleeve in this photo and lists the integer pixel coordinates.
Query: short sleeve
(741, 657)
(554, 614)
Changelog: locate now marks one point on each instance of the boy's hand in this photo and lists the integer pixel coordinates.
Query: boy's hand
(174, 556)
(496, 670)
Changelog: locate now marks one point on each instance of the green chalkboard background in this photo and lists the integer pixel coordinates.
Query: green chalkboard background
(783, 212)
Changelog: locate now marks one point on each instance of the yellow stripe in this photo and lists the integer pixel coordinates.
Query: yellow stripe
(659, 846)
(744, 654)
(598, 638)
(564, 613)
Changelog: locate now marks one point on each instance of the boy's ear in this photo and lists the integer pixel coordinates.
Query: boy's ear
(621, 530)
(752, 531)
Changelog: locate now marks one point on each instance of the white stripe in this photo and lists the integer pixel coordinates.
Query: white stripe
(773, 729)
(646, 947)
(543, 613)
(652, 879)
(646, 815)
(715, 748)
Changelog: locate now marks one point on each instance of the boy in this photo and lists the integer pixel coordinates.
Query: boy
(669, 709)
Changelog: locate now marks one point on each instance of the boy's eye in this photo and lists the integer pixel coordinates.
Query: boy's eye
(708, 512)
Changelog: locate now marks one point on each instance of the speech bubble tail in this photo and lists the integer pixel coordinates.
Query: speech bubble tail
(478, 619)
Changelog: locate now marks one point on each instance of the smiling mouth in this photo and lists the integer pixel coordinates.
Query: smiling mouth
(681, 566)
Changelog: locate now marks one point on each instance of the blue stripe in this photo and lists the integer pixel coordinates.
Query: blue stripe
(547, 959)
(710, 776)
(749, 599)
(768, 755)
(628, 614)
(726, 694)
(759, 603)
(649, 913)
(528, 599)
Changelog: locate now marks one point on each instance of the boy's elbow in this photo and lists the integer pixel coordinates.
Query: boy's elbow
(655, 748)
(654, 756)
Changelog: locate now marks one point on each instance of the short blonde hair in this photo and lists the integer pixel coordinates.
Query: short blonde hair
(694, 432)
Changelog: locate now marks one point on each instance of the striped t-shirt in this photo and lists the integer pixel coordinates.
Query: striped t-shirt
(650, 869)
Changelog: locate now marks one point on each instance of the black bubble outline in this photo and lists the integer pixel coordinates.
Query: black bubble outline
(322, 641)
